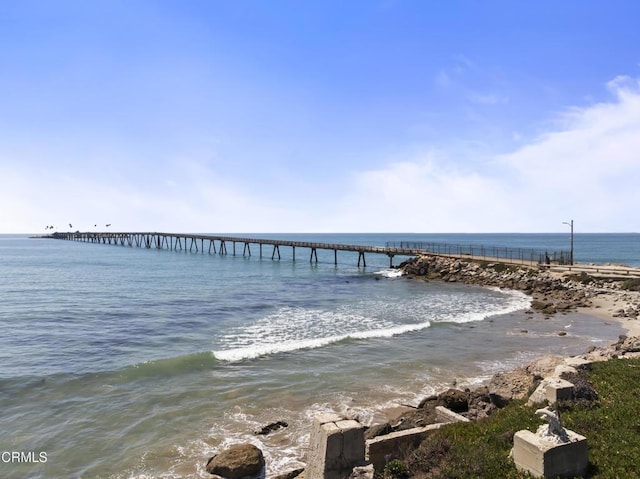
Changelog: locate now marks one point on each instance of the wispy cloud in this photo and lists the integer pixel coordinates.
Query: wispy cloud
(587, 169)
(488, 99)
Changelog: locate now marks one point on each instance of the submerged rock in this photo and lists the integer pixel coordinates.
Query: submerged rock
(269, 428)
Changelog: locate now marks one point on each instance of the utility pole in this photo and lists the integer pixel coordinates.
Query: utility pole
(571, 253)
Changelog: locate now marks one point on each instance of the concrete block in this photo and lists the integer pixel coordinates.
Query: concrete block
(559, 390)
(552, 390)
(336, 446)
(546, 458)
(576, 362)
(382, 448)
(353, 447)
(447, 415)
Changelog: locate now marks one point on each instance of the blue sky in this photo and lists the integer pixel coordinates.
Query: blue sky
(332, 116)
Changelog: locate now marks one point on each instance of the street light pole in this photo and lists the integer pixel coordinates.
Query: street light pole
(571, 253)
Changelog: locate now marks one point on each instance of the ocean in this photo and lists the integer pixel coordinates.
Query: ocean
(126, 362)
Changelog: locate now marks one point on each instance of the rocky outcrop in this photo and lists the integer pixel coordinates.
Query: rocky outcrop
(550, 292)
(627, 345)
(504, 387)
(236, 462)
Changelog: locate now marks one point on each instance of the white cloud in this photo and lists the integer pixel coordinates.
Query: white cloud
(443, 80)
(588, 170)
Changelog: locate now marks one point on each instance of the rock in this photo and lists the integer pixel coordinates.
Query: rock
(545, 306)
(362, 472)
(544, 366)
(378, 430)
(455, 400)
(628, 345)
(269, 428)
(426, 401)
(290, 475)
(236, 462)
(507, 386)
(480, 404)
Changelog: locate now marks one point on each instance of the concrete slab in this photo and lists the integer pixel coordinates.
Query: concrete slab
(381, 449)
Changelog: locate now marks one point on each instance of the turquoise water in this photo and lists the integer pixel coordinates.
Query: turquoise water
(122, 362)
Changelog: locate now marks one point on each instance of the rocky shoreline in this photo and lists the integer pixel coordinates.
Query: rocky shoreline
(551, 293)
(503, 388)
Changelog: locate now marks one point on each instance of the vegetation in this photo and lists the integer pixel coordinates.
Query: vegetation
(631, 284)
(606, 412)
(582, 278)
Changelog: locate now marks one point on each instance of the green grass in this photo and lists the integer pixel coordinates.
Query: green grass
(610, 421)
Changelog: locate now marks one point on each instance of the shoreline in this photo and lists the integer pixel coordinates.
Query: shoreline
(552, 294)
(597, 298)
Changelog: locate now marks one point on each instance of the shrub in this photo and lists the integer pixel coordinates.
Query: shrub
(631, 284)
(396, 470)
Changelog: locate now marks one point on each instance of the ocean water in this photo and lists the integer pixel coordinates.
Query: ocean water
(126, 362)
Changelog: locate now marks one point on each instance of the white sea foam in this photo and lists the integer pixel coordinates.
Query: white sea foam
(296, 328)
(389, 273)
(264, 349)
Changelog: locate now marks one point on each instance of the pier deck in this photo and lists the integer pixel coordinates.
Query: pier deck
(227, 245)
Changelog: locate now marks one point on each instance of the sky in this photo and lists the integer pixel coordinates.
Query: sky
(319, 116)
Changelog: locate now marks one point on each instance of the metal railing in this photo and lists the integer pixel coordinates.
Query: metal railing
(489, 253)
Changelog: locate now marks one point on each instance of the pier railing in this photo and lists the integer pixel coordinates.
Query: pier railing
(218, 244)
(489, 253)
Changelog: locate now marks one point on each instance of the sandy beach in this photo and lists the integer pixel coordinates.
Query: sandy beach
(607, 306)
(603, 292)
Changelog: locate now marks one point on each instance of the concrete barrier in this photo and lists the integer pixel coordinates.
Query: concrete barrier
(545, 458)
(336, 447)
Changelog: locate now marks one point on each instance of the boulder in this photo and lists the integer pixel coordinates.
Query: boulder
(455, 400)
(507, 386)
(236, 462)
